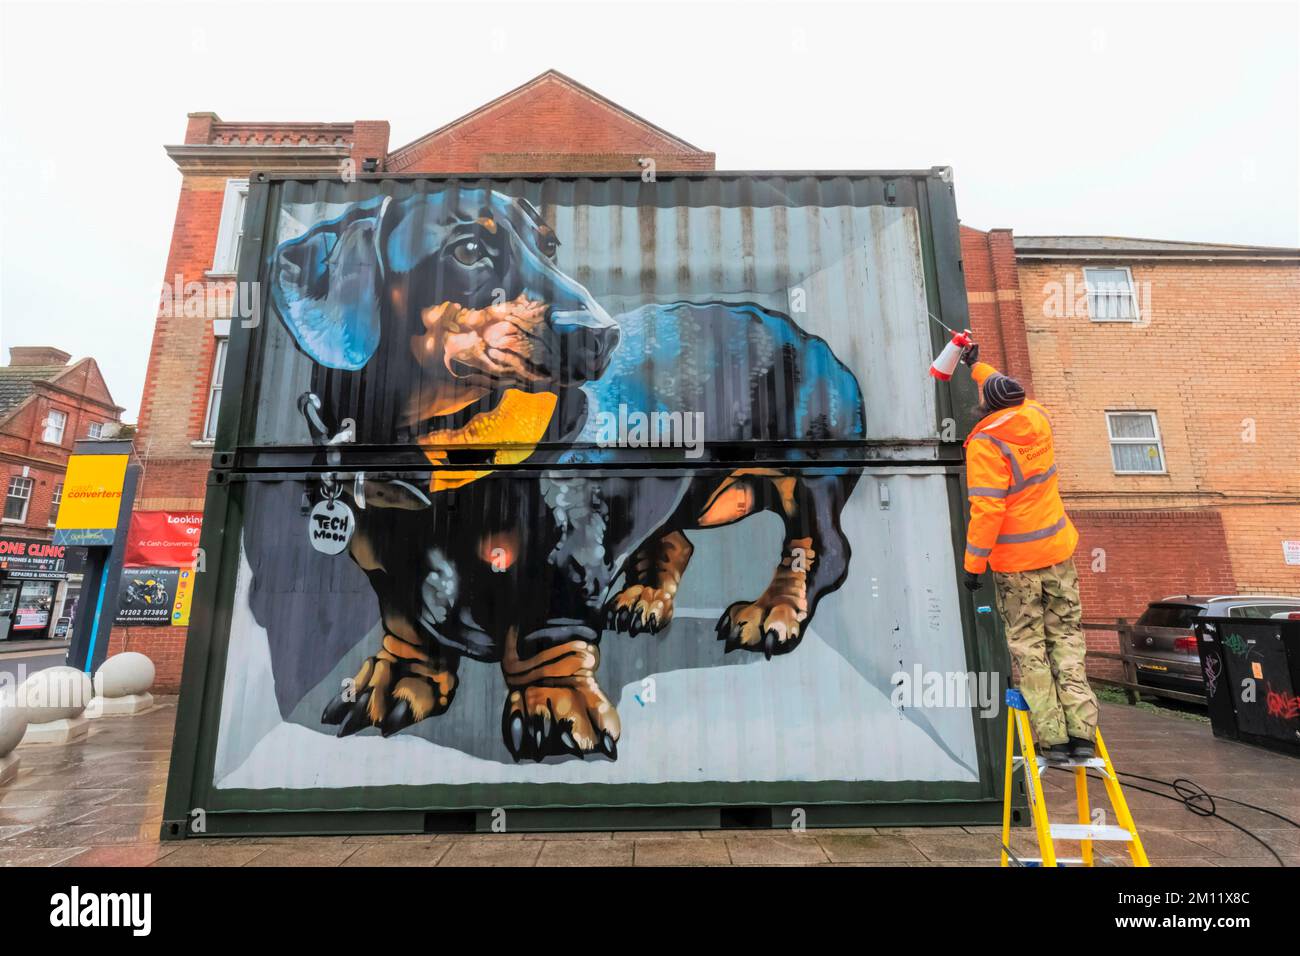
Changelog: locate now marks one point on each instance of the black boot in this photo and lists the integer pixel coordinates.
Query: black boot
(1081, 749)
(1056, 753)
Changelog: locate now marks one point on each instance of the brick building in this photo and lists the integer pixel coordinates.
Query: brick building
(47, 402)
(1171, 371)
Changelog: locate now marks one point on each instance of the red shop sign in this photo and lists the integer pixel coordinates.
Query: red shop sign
(165, 539)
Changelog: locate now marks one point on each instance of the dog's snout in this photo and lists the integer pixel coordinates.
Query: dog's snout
(587, 343)
(598, 345)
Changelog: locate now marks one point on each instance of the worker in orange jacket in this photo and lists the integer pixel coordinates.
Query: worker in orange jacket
(1018, 526)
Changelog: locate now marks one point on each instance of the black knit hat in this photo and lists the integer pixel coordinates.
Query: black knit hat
(1002, 391)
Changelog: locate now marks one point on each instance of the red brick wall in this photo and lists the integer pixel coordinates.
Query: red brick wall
(175, 399)
(993, 295)
(40, 507)
(370, 139)
(1129, 558)
(165, 646)
(549, 125)
(180, 359)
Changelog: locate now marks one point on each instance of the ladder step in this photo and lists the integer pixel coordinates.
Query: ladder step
(1060, 861)
(1089, 831)
(1095, 762)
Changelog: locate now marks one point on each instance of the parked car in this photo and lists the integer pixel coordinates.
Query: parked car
(1163, 644)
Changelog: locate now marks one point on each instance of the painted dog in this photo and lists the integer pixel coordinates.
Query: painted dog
(441, 322)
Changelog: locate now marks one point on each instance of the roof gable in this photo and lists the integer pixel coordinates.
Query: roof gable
(550, 115)
(18, 383)
(94, 387)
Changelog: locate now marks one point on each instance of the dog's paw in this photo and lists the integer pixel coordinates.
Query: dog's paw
(543, 721)
(392, 695)
(639, 608)
(773, 625)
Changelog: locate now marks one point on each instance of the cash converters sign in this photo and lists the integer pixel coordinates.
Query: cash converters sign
(92, 498)
(167, 539)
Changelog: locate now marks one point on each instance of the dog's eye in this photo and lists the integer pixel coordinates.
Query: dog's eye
(468, 252)
(548, 246)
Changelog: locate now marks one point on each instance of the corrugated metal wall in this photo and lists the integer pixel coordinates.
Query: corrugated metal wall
(828, 253)
(789, 312)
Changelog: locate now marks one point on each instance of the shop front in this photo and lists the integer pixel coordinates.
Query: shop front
(39, 585)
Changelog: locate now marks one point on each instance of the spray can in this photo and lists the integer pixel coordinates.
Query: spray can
(943, 367)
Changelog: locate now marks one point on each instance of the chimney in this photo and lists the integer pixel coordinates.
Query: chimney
(37, 355)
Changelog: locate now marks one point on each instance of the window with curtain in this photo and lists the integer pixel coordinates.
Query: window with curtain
(55, 422)
(1112, 296)
(1135, 443)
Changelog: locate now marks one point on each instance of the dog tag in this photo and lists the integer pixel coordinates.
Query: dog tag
(330, 526)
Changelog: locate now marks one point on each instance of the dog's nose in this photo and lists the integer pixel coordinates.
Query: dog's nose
(587, 344)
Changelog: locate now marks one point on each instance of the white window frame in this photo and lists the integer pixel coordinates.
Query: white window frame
(1157, 441)
(225, 261)
(1132, 295)
(215, 385)
(56, 501)
(49, 424)
(26, 499)
(95, 430)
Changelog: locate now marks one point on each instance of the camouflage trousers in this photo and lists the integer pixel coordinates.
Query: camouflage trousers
(1041, 612)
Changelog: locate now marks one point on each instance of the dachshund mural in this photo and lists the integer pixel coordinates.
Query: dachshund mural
(440, 325)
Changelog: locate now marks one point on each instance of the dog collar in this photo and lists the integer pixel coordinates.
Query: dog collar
(514, 425)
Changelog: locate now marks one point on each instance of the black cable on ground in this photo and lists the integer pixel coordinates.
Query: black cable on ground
(1194, 797)
(1189, 784)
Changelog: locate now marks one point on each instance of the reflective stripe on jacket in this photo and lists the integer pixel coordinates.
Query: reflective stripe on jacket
(1017, 519)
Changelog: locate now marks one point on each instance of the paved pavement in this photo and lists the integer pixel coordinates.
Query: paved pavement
(99, 802)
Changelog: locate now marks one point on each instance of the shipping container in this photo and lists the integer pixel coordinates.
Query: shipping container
(584, 502)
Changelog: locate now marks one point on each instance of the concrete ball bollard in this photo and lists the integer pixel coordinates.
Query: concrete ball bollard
(55, 699)
(55, 693)
(123, 675)
(122, 686)
(13, 724)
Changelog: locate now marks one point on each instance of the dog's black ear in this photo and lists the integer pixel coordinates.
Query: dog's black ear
(326, 285)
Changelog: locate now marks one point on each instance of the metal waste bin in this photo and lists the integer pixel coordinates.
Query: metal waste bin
(1252, 675)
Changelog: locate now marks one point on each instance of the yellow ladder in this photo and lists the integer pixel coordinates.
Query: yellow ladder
(1085, 831)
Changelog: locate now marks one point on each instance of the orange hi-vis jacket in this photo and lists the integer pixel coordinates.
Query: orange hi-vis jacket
(1017, 519)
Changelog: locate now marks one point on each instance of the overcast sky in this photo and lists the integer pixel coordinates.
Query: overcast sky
(1165, 121)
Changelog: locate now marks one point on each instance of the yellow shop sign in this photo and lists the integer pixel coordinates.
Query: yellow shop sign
(92, 500)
